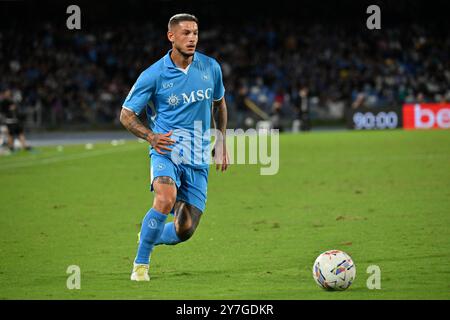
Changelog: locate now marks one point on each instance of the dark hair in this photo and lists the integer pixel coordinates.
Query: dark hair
(176, 19)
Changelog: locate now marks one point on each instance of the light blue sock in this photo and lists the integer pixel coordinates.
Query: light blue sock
(169, 235)
(151, 229)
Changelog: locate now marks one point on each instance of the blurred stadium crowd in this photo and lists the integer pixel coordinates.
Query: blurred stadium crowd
(61, 77)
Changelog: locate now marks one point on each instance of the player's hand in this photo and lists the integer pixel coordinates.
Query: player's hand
(220, 156)
(161, 141)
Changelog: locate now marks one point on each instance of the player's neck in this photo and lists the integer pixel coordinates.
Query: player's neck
(180, 60)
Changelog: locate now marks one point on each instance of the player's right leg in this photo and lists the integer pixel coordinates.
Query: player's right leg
(165, 194)
(165, 188)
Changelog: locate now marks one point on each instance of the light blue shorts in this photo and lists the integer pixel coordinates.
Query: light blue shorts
(192, 183)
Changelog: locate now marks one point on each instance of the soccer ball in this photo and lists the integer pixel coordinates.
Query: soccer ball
(334, 270)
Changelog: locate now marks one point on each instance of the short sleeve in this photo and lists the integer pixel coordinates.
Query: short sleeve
(219, 89)
(140, 93)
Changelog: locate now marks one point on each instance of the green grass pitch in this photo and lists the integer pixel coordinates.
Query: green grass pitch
(383, 197)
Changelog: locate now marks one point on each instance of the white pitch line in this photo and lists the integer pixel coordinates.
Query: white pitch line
(77, 156)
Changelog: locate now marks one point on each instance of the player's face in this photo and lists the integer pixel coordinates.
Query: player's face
(184, 37)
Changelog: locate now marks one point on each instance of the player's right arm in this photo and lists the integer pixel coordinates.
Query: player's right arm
(134, 104)
(132, 123)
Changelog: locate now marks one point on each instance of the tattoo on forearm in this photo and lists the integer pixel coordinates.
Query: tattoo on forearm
(132, 123)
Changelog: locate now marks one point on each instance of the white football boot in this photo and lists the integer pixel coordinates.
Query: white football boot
(140, 272)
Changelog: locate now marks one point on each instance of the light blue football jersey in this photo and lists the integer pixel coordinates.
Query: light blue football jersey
(180, 100)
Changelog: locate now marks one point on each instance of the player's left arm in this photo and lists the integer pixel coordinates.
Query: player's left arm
(220, 149)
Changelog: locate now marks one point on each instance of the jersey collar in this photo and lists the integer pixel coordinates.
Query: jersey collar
(170, 64)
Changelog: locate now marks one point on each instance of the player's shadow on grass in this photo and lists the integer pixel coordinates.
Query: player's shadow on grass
(181, 274)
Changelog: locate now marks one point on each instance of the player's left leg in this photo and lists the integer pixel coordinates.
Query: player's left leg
(186, 219)
(191, 202)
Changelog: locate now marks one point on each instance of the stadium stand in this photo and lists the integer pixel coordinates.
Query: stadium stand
(64, 78)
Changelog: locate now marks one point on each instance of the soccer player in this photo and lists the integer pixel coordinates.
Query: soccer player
(14, 120)
(177, 93)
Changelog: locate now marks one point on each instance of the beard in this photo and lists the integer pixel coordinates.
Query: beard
(184, 53)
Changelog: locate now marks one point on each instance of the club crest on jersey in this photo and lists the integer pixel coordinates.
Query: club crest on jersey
(173, 100)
